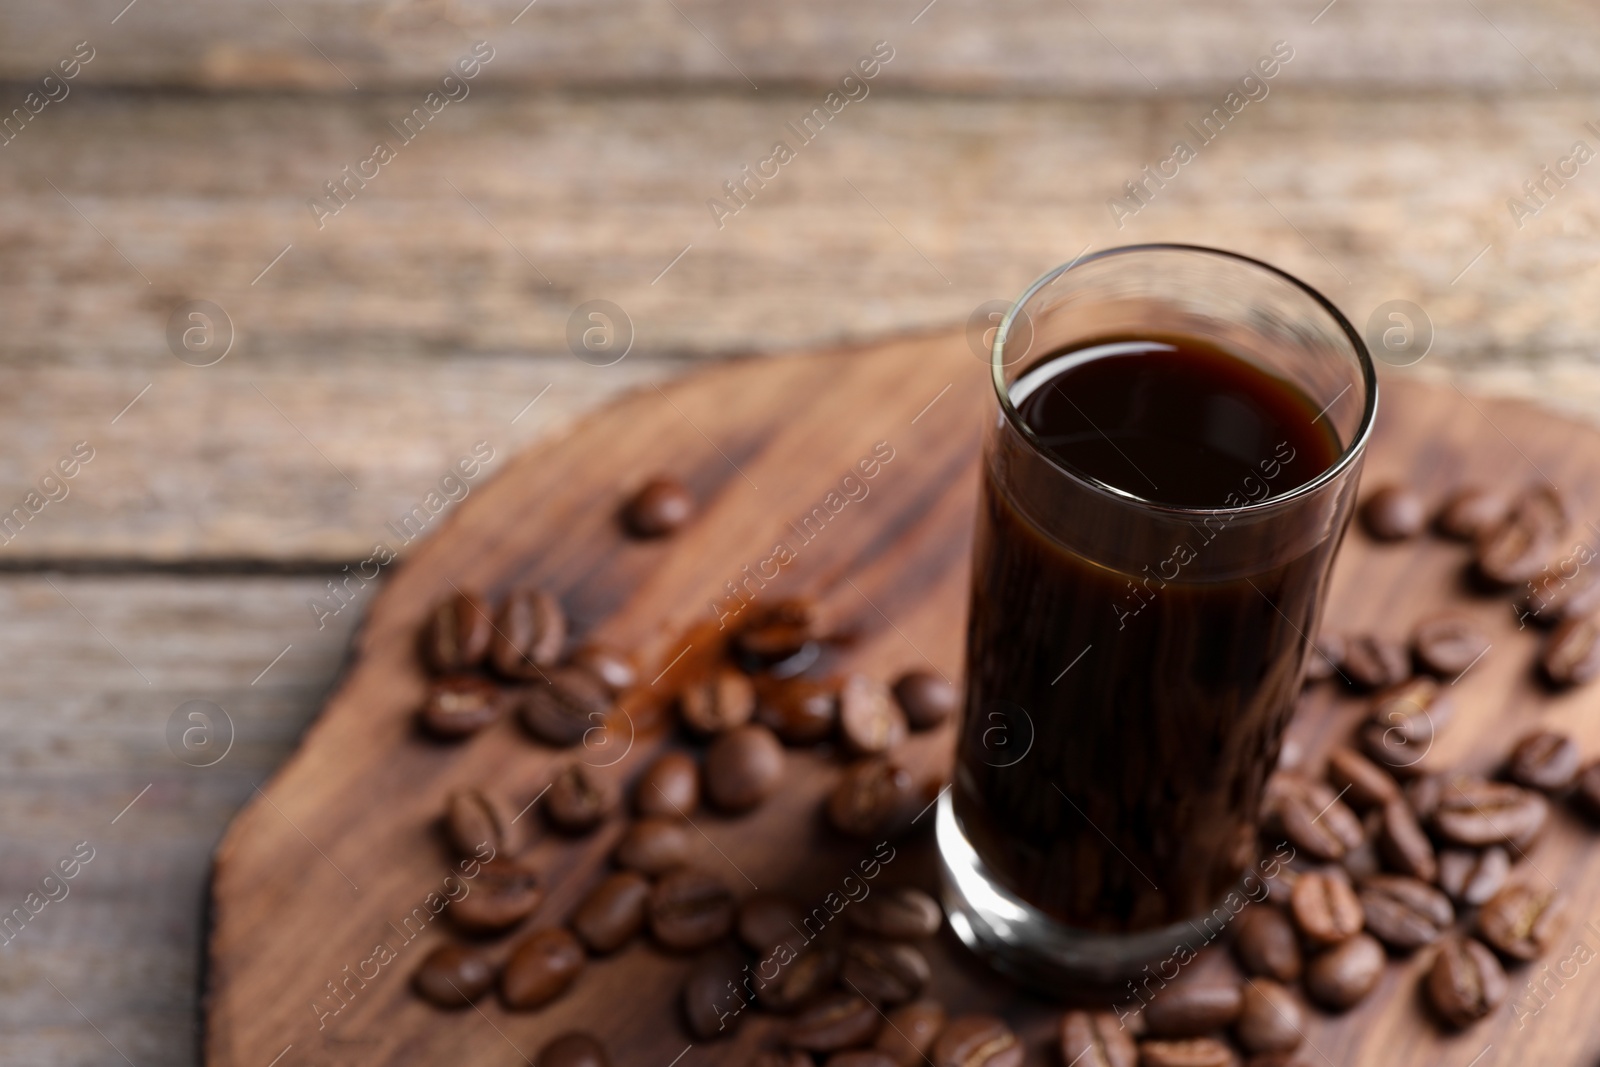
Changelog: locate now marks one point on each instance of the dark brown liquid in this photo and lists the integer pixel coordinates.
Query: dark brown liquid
(1121, 722)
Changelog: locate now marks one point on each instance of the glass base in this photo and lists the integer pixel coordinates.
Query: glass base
(1018, 939)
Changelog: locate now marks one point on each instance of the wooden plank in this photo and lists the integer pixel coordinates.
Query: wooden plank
(766, 441)
(1018, 45)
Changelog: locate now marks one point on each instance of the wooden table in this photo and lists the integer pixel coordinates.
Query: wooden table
(434, 309)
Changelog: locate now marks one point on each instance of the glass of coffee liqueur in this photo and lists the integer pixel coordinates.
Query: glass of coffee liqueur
(1166, 479)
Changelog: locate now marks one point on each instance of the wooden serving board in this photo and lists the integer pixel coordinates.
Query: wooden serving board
(341, 845)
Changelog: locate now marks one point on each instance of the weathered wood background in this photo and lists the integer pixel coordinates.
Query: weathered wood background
(430, 311)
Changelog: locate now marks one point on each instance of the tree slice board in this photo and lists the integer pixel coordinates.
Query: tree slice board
(341, 845)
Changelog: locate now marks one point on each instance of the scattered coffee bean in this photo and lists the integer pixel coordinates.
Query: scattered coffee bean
(1416, 709)
(669, 786)
(1192, 1006)
(1374, 663)
(1587, 795)
(1193, 1052)
(1325, 908)
(1324, 658)
(540, 968)
(1362, 782)
(1405, 913)
(613, 912)
(472, 820)
(1269, 1018)
(803, 979)
(1314, 819)
(767, 920)
(1571, 654)
(1363, 861)
(1342, 975)
(1446, 645)
(1470, 877)
(689, 909)
(839, 1020)
(1546, 760)
(654, 845)
(926, 699)
(711, 1003)
(453, 976)
(579, 799)
(1554, 597)
(529, 634)
(900, 914)
(1095, 1039)
(1393, 513)
(801, 711)
(885, 972)
(1265, 944)
(872, 795)
(457, 635)
(562, 710)
(776, 634)
(870, 722)
(718, 701)
(612, 666)
(1423, 793)
(977, 1041)
(1404, 845)
(1516, 548)
(743, 767)
(661, 506)
(1466, 982)
(860, 1057)
(1470, 511)
(1522, 920)
(1476, 813)
(911, 1031)
(504, 893)
(461, 704)
(573, 1049)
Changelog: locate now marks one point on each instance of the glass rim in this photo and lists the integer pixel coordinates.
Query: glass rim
(1347, 457)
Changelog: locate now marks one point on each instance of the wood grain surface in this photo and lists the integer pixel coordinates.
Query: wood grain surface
(341, 841)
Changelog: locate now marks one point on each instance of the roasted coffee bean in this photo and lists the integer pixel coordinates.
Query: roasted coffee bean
(504, 893)
(1363, 861)
(1374, 663)
(1587, 795)
(1476, 813)
(528, 634)
(669, 786)
(612, 666)
(1275, 1059)
(1405, 913)
(1468, 512)
(776, 634)
(654, 845)
(839, 1020)
(1471, 877)
(1571, 654)
(1095, 1039)
(1265, 944)
(783, 1058)
(1362, 782)
(612, 912)
(661, 506)
(926, 699)
(743, 767)
(1466, 982)
(1403, 844)
(472, 820)
(573, 1049)
(717, 701)
(712, 1005)
(1555, 597)
(885, 972)
(901, 914)
(689, 909)
(1393, 513)
(870, 722)
(801, 711)
(579, 799)
(1314, 819)
(1324, 658)
(1517, 547)
(562, 710)
(977, 1041)
(860, 1057)
(453, 976)
(1194, 1052)
(540, 968)
(1416, 709)
(911, 1030)
(872, 796)
(1192, 1006)
(1423, 793)
(1522, 919)
(767, 920)
(1342, 975)
(1446, 645)
(1545, 760)
(1269, 1018)
(461, 704)
(457, 635)
(1325, 908)
(803, 979)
